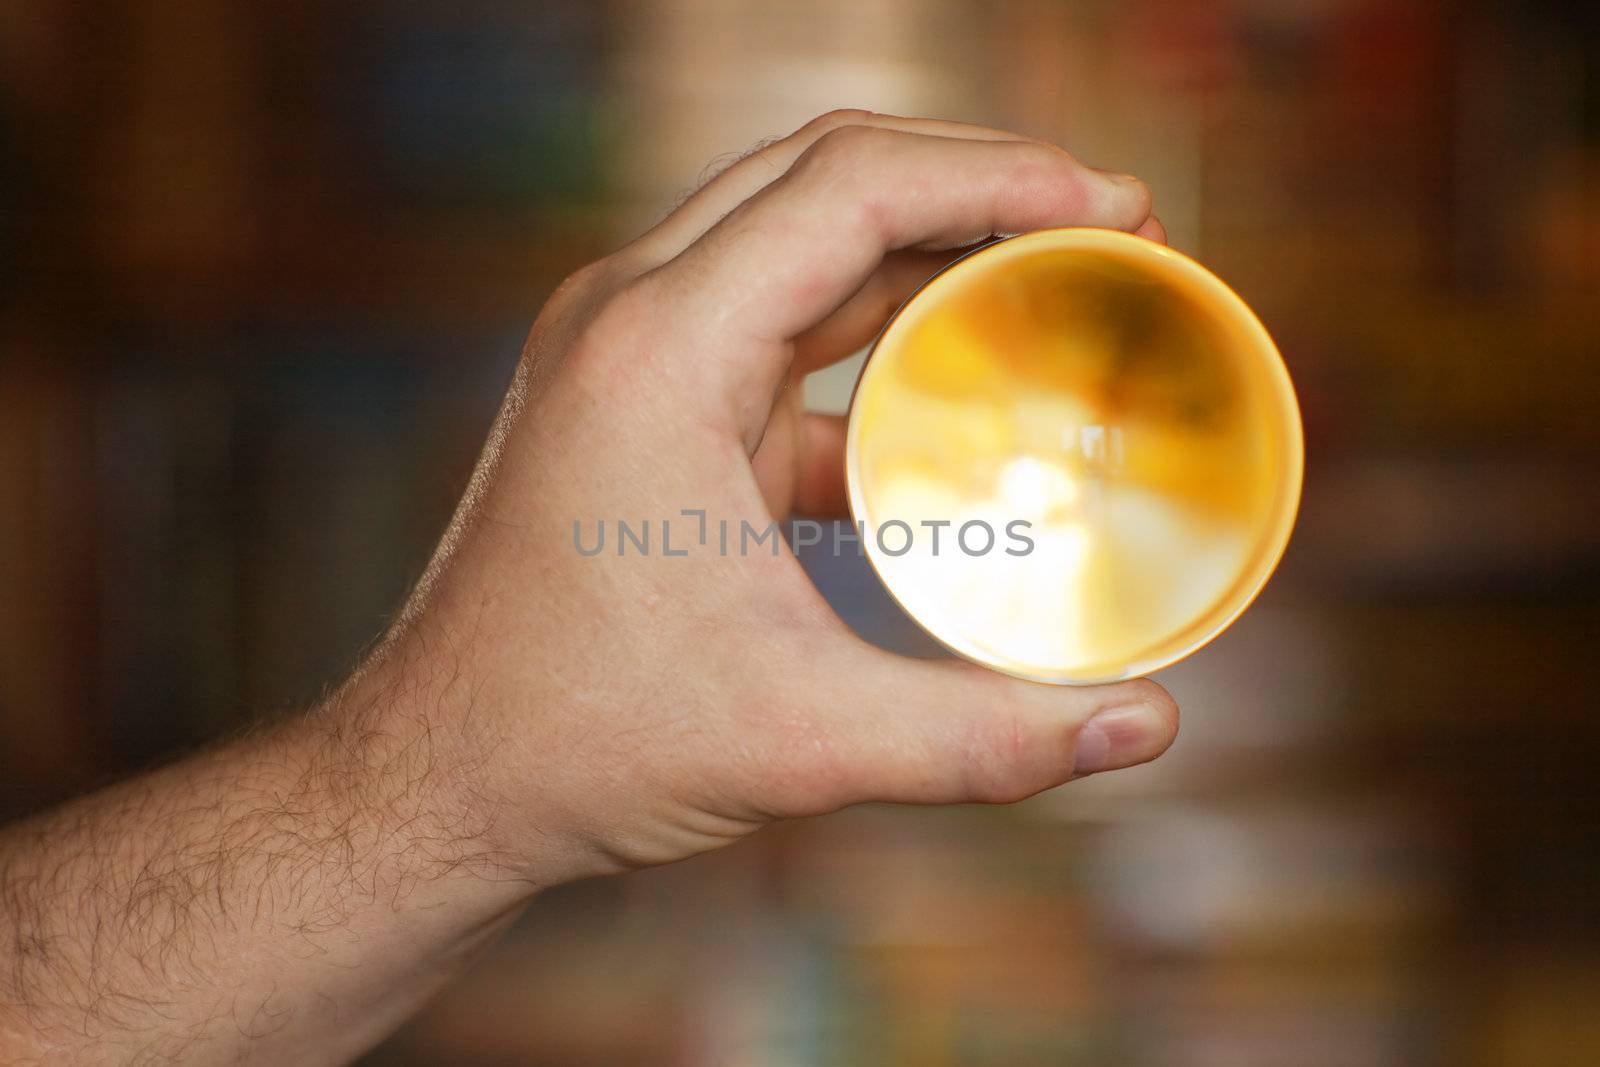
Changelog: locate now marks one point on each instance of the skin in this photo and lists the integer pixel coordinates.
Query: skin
(537, 716)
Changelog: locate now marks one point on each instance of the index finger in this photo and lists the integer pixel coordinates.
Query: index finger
(795, 251)
(761, 166)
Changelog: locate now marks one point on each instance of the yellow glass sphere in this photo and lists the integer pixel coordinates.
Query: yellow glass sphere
(1076, 456)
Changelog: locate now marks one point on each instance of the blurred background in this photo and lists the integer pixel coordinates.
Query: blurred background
(266, 268)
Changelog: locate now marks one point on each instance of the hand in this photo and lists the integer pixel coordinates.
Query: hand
(636, 709)
(536, 714)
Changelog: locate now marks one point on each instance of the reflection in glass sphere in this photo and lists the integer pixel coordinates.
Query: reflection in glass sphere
(1116, 417)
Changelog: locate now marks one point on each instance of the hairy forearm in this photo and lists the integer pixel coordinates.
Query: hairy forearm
(293, 893)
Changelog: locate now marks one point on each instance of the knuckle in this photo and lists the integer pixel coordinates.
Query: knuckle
(1142, 198)
(1048, 169)
(617, 269)
(838, 117)
(577, 289)
(843, 163)
(1046, 172)
(586, 277)
(1147, 196)
(1002, 752)
(618, 317)
(568, 313)
(843, 148)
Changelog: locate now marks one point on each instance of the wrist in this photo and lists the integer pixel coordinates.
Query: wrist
(437, 732)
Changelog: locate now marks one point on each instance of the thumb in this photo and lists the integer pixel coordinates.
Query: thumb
(947, 731)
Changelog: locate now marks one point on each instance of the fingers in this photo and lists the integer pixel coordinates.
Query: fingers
(794, 252)
(857, 321)
(946, 731)
(819, 489)
(800, 464)
(1152, 229)
(800, 248)
(756, 170)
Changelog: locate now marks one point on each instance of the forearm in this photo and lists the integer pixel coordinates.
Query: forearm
(292, 894)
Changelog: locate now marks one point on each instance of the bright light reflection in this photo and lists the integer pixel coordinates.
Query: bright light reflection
(1033, 489)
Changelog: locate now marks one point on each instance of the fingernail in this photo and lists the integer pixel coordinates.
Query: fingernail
(1118, 737)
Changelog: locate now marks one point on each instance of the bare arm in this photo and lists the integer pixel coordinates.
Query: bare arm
(541, 714)
(290, 896)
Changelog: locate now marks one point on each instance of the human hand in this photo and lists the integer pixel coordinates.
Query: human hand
(634, 709)
(538, 714)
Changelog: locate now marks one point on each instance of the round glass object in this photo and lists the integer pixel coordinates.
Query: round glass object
(1076, 455)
